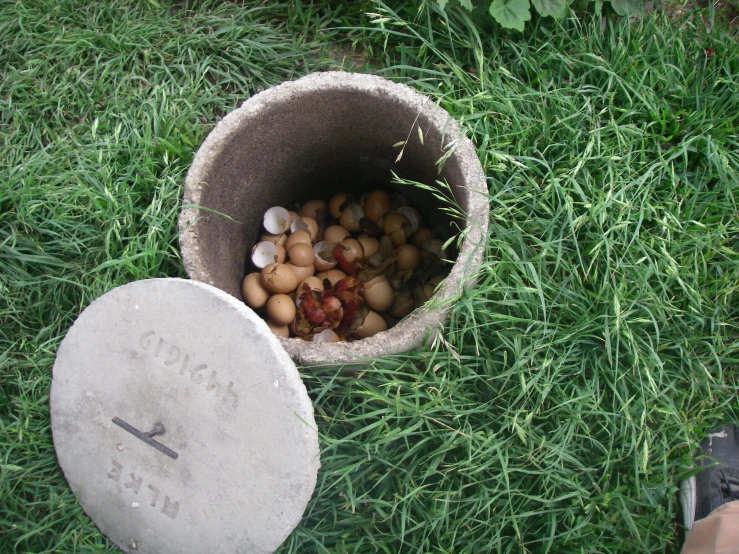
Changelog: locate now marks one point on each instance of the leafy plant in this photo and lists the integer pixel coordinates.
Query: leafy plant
(513, 14)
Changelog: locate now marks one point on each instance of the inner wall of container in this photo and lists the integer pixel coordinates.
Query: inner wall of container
(308, 148)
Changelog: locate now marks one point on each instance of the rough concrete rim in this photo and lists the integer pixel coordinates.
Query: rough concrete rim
(411, 332)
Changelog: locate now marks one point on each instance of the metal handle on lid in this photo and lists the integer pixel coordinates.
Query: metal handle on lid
(158, 429)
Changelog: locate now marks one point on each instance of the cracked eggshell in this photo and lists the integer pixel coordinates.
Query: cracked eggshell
(313, 282)
(369, 245)
(301, 272)
(363, 199)
(413, 217)
(305, 224)
(323, 256)
(351, 217)
(265, 253)
(394, 222)
(403, 304)
(296, 237)
(278, 239)
(276, 220)
(373, 324)
(333, 275)
(352, 249)
(435, 247)
(254, 293)
(378, 294)
(281, 253)
(327, 335)
(310, 209)
(279, 278)
(336, 204)
(421, 237)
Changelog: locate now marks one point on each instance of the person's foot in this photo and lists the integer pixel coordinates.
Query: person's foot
(718, 482)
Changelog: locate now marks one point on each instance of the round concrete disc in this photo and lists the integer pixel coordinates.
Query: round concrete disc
(181, 424)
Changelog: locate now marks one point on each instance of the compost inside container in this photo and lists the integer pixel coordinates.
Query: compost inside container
(344, 268)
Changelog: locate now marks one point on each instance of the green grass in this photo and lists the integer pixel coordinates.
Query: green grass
(601, 342)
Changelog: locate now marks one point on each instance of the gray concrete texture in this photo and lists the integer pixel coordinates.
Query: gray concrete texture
(238, 422)
(307, 139)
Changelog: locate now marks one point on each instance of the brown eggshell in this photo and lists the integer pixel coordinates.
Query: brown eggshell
(436, 279)
(255, 294)
(369, 245)
(324, 259)
(277, 329)
(378, 294)
(372, 325)
(352, 249)
(301, 254)
(310, 209)
(408, 257)
(398, 237)
(421, 237)
(393, 222)
(296, 237)
(279, 278)
(306, 224)
(335, 233)
(403, 304)
(323, 265)
(428, 291)
(336, 202)
(301, 272)
(351, 217)
(313, 282)
(281, 309)
(434, 246)
(335, 275)
(281, 253)
(377, 204)
(278, 239)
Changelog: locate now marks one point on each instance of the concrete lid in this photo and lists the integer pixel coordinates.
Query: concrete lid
(180, 422)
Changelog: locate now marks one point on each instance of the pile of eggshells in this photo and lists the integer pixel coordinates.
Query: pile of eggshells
(345, 270)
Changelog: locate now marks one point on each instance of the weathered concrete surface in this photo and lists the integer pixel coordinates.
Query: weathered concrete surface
(235, 413)
(305, 139)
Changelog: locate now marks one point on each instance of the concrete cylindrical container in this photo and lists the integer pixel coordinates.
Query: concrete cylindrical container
(306, 139)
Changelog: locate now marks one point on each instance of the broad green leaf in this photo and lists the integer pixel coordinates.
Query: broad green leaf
(598, 7)
(442, 4)
(626, 7)
(552, 8)
(467, 4)
(511, 14)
